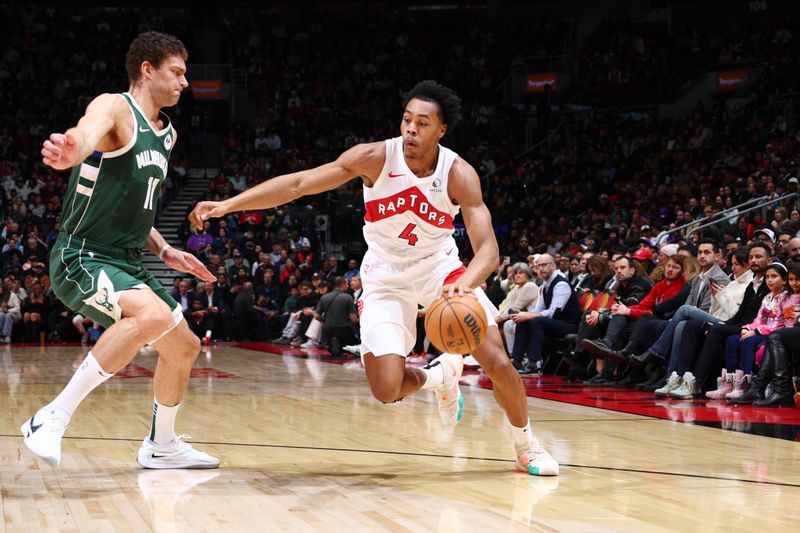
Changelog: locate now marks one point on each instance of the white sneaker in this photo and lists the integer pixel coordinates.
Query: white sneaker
(471, 362)
(536, 461)
(673, 383)
(43, 433)
(451, 403)
(176, 454)
(354, 349)
(688, 388)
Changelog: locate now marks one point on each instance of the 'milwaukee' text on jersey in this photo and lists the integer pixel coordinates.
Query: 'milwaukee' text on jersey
(112, 196)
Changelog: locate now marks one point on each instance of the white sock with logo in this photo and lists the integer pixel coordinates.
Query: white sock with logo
(523, 437)
(434, 375)
(163, 429)
(88, 376)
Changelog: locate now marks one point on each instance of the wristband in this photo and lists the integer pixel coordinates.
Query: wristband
(163, 249)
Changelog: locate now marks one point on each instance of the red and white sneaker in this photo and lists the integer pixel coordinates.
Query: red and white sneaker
(536, 461)
(451, 403)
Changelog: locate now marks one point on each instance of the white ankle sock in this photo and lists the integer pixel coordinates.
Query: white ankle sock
(434, 375)
(88, 376)
(523, 437)
(163, 428)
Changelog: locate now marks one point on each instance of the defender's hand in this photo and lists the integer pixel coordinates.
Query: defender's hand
(186, 262)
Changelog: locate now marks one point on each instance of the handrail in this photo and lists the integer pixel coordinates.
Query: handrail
(720, 214)
(720, 220)
(550, 134)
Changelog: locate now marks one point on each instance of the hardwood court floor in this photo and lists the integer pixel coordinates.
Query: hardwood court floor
(304, 447)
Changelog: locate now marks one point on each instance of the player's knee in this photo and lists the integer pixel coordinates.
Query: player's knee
(496, 362)
(191, 346)
(386, 393)
(153, 324)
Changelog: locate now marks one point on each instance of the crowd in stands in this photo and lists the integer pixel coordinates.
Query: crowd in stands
(612, 204)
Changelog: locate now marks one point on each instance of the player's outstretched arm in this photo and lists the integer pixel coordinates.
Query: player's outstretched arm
(364, 160)
(465, 188)
(65, 150)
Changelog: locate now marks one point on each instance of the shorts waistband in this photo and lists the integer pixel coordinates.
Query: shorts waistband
(77, 242)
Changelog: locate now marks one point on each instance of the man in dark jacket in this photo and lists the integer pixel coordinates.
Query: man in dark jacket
(630, 289)
(337, 311)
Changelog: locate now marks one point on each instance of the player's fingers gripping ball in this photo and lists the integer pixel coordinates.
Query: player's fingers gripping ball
(457, 324)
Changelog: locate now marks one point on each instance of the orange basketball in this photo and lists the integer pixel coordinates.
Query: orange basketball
(456, 325)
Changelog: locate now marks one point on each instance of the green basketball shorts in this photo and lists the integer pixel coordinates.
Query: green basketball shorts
(90, 278)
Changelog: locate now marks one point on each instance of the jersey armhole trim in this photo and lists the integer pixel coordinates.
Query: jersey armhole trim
(134, 134)
(389, 150)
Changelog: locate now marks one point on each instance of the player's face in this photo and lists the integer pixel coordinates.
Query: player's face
(421, 128)
(168, 80)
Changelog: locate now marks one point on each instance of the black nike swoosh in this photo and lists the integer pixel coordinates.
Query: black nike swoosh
(157, 455)
(34, 428)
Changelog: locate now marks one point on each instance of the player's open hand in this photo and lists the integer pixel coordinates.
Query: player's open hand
(186, 262)
(60, 151)
(457, 288)
(205, 210)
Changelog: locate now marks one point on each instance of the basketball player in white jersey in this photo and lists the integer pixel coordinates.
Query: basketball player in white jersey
(413, 188)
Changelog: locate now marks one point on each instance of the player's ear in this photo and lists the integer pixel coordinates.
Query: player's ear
(443, 130)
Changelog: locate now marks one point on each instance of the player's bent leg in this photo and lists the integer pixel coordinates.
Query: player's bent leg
(163, 448)
(510, 395)
(506, 383)
(143, 317)
(389, 379)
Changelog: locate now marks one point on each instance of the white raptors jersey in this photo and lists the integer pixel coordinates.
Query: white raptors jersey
(407, 217)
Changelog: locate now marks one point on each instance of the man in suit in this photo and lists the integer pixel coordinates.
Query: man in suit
(184, 296)
(218, 311)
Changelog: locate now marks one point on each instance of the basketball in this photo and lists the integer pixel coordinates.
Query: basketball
(456, 325)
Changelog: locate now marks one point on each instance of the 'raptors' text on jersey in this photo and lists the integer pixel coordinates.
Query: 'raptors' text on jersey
(408, 217)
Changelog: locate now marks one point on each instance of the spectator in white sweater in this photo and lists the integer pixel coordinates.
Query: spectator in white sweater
(523, 298)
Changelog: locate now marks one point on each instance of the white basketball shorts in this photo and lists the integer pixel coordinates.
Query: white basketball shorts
(392, 290)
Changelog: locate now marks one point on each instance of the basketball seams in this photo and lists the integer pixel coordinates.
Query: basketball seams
(466, 334)
(445, 312)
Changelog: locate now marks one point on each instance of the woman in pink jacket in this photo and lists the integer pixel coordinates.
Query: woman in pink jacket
(776, 312)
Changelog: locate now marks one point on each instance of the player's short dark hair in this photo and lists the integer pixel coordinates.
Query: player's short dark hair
(446, 100)
(153, 47)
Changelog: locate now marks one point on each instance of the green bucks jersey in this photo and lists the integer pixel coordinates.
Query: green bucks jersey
(112, 196)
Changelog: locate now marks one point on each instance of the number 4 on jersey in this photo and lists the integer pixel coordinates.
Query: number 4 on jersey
(407, 235)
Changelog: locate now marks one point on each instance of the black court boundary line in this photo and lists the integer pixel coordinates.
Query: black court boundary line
(445, 456)
(557, 400)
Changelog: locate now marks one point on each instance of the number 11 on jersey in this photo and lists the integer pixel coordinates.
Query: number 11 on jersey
(150, 198)
(408, 235)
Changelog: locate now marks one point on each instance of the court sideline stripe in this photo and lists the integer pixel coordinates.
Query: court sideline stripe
(445, 456)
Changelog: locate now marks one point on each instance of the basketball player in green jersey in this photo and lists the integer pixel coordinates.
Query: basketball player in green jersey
(118, 154)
